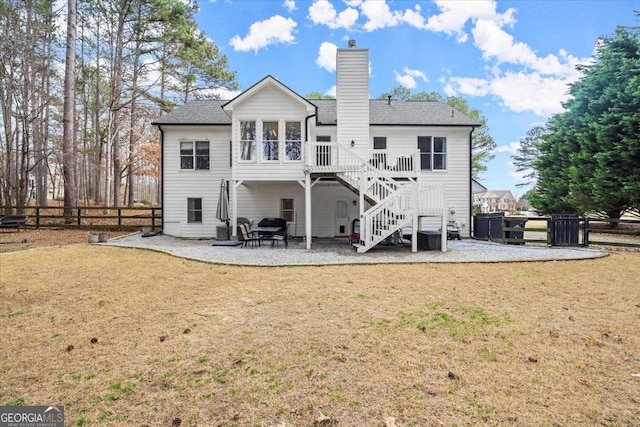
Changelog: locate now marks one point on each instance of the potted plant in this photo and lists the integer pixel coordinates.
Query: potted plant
(94, 236)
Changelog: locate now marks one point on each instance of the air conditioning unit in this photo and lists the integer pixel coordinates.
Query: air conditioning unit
(222, 232)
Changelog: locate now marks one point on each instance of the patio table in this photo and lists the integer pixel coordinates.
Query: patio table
(268, 233)
(265, 230)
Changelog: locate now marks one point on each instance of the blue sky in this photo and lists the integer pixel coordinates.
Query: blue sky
(510, 59)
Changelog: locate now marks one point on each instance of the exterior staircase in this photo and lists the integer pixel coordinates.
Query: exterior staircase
(393, 191)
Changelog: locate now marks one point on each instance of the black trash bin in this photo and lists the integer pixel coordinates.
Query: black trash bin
(488, 226)
(515, 223)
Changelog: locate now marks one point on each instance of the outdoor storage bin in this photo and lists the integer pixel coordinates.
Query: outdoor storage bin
(488, 226)
(516, 223)
(429, 240)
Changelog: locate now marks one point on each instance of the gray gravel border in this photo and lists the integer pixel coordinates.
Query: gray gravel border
(335, 251)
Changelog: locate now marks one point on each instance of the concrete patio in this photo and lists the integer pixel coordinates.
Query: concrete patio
(338, 251)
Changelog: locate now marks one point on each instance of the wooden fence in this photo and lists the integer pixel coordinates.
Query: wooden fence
(559, 230)
(601, 229)
(90, 217)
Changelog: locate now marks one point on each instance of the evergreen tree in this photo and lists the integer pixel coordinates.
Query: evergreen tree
(590, 158)
(526, 155)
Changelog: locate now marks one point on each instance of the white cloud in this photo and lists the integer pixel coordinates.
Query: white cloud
(517, 91)
(408, 78)
(455, 14)
(468, 86)
(274, 30)
(290, 5)
(332, 91)
(379, 15)
(322, 12)
(519, 78)
(414, 18)
(327, 56)
(511, 148)
(222, 93)
(531, 92)
(497, 44)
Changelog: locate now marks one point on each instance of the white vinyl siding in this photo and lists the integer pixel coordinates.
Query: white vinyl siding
(352, 96)
(457, 175)
(180, 185)
(271, 109)
(258, 200)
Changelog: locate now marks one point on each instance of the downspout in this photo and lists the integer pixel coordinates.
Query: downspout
(470, 196)
(161, 175)
(306, 124)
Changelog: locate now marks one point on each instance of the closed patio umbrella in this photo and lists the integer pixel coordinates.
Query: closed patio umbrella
(222, 211)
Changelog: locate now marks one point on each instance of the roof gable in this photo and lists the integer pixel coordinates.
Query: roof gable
(268, 81)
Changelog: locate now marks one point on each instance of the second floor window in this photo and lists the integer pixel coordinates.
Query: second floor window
(433, 152)
(194, 155)
(270, 141)
(248, 141)
(293, 141)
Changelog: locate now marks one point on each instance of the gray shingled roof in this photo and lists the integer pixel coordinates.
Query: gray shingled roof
(381, 112)
(202, 112)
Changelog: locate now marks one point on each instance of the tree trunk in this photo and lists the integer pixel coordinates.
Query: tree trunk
(68, 120)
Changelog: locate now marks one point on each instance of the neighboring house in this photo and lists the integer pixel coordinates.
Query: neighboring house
(477, 190)
(320, 164)
(496, 201)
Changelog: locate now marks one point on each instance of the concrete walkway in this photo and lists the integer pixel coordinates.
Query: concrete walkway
(337, 251)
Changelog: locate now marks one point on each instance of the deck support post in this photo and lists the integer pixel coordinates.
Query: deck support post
(307, 208)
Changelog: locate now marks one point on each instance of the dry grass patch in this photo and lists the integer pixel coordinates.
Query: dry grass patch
(132, 337)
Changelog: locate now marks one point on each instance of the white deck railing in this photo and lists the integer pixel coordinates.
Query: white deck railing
(333, 157)
(432, 199)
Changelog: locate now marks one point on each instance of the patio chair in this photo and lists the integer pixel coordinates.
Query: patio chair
(246, 237)
(280, 236)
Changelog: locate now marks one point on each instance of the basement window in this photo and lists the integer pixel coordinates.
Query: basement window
(194, 210)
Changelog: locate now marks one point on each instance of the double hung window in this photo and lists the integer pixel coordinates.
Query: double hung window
(194, 155)
(293, 141)
(194, 210)
(248, 141)
(286, 209)
(270, 141)
(433, 152)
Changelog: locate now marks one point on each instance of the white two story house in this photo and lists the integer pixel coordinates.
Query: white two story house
(319, 164)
